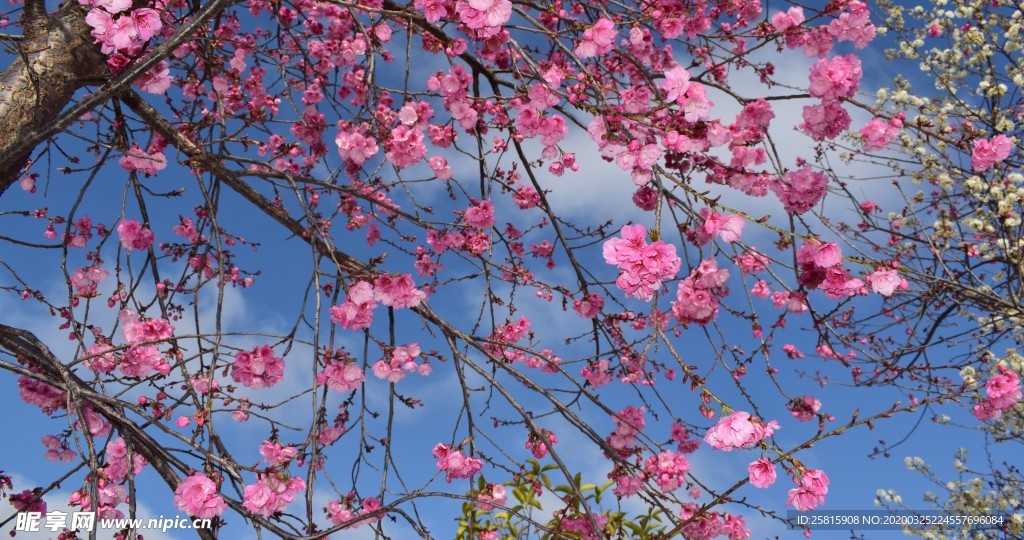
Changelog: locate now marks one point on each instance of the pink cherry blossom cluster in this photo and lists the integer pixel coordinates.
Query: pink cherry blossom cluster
(878, 134)
(821, 268)
(761, 473)
(404, 147)
(339, 514)
(804, 408)
(258, 368)
(134, 235)
(271, 493)
(56, 450)
(86, 280)
(810, 491)
(642, 266)
(149, 161)
(711, 524)
(597, 40)
(353, 143)
(589, 306)
(199, 496)
(41, 395)
(397, 290)
(728, 228)
(540, 443)
(800, 190)
(356, 312)
(142, 358)
(739, 430)
(275, 454)
(986, 153)
(886, 281)
(681, 435)
(629, 422)
(697, 296)
(403, 359)
(30, 500)
(668, 469)
(1003, 391)
(491, 496)
(129, 31)
(832, 80)
(454, 464)
(109, 496)
(341, 376)
(584, 527)
(484, 16)
(116, 457)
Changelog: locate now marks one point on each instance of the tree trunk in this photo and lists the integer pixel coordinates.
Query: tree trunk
(56, 57)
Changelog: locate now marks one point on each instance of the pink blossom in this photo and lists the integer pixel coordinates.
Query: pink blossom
(341, 376)
(137, 330)
(597, 40)
(353, 145)
(727, 227)
(113, 6)
(828, 255)
(784, 20)
(40, 394)
(838, 283)
(138, 160)
(259, 499)
(629, 422)
(836, 78)
(356, 312)
(141, 360)
(480, 215)
(697, 294)
(668, 469)
(987, 153)
(800, 190)
(739, 430)
(825, 121)
(258, 368)
(86, 280)
(803, 499)
(405, 147)
(676, 83)
(27, 183)
(147, 22)
(198, 496)
(29, 500)
(157, 80)
(275, 454)
(1003, 392)
(116, 457)
(100, 358)
(855, 25)
(454, 464)
(885, 282)
(397, 290)
(804, 408)
(57, 451)
(762, 473)
(590, 306)
(134, 235)
(486, 15)
(642, 267)
(878, 134)
(491, 496)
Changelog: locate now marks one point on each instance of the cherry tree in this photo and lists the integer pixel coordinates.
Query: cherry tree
(321, 266)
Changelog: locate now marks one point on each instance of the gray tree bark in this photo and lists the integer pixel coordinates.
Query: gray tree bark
(55, 58)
